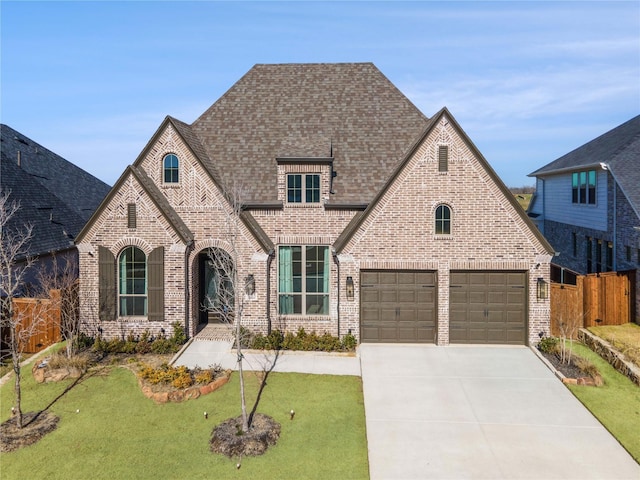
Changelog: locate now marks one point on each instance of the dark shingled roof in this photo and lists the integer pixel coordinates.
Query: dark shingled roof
(55, 196)
(619, 148)
(348, 111)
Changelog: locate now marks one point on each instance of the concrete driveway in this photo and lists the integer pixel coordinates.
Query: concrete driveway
(479, 412)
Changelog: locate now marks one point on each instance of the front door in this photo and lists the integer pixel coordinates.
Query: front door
(215, 299)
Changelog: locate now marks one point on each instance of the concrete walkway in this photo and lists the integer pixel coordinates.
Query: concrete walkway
(203, 353)
(479, 412)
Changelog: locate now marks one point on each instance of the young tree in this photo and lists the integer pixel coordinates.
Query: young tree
(63, 276)
(227, 296)
(14, 264)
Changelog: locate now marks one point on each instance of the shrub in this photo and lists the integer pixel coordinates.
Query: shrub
(162, 346)
(303, 341)
(179, 337)
(549, 344)
(179, 377)
(349, 342)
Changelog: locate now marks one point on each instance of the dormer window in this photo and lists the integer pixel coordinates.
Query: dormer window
(171, 170)
(303, 188)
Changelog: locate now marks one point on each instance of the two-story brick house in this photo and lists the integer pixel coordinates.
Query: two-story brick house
(587, 204)
(359, 214)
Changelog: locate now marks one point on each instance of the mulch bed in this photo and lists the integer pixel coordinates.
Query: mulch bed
(35, 426)
(228, 439)
(569, 370)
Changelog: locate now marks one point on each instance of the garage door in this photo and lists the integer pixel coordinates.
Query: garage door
(397, 306)
(488, 307)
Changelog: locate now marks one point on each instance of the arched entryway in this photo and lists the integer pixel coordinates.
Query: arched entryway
(215, 286)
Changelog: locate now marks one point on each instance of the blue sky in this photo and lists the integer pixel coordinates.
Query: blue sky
(527, 81)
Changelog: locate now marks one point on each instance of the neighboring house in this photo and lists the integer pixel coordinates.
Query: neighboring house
(587, 204)
(362, 216)
(56, 198)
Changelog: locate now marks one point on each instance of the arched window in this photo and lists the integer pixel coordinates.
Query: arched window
(171, 168)
(443, 220)
(132, 284)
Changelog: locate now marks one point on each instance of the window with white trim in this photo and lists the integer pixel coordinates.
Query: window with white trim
(303, 280)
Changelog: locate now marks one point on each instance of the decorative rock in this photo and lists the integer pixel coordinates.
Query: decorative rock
(186, 394)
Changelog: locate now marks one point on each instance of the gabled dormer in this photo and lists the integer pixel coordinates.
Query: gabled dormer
(304, 182)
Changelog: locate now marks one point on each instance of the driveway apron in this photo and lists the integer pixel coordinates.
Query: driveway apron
(479, 412)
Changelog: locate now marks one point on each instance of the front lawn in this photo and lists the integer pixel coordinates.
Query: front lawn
(616, 404)
(109, 429)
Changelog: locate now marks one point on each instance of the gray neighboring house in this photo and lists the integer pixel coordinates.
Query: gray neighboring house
(55, 196)
(587, 205)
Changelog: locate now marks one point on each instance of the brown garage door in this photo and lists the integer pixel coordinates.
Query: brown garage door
(397, 306)
(488, 307)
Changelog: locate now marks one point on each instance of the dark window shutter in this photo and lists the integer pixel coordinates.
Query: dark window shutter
(131, 215)
(155, 286)
(443, 158)
(106, 284)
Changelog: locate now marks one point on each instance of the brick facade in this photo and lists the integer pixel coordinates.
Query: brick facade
(488, 233)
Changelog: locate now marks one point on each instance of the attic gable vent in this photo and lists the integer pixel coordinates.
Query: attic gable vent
(131, 215)
(443, 158)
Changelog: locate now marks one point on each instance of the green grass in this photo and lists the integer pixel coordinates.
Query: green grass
(119, 433)
(624, 338)
(616, 404)
(523, 199)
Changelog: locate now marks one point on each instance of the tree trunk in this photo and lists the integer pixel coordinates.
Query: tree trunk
(245, 420)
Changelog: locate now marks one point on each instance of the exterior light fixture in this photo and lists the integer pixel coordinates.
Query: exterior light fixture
(250, 285)
(542, 288)
(349, 288)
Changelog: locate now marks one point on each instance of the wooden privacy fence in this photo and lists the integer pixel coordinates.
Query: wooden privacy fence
(40, 315)
(596, 299)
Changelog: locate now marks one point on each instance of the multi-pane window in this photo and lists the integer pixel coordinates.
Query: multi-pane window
(583, 187)
(132, 284)
(303, 280)
(171, 169)
(443, 220)
(303, 188)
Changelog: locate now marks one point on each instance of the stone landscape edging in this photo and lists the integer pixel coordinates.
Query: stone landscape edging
(610, 354)
(186, 393)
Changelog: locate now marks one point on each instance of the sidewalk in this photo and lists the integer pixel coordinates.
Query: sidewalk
(204, 353)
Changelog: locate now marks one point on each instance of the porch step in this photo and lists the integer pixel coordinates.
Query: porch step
(216, 332)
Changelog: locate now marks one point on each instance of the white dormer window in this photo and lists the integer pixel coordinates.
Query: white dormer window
(303, 188)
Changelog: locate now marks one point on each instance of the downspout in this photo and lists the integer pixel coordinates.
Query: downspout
(335, 259)
(268, 308)
(605, 167)
(187, 297)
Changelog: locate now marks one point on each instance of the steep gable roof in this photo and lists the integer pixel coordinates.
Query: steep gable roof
(346, 111)
(342, 241)
(619, 148)
(41, 182)
(154, 194)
